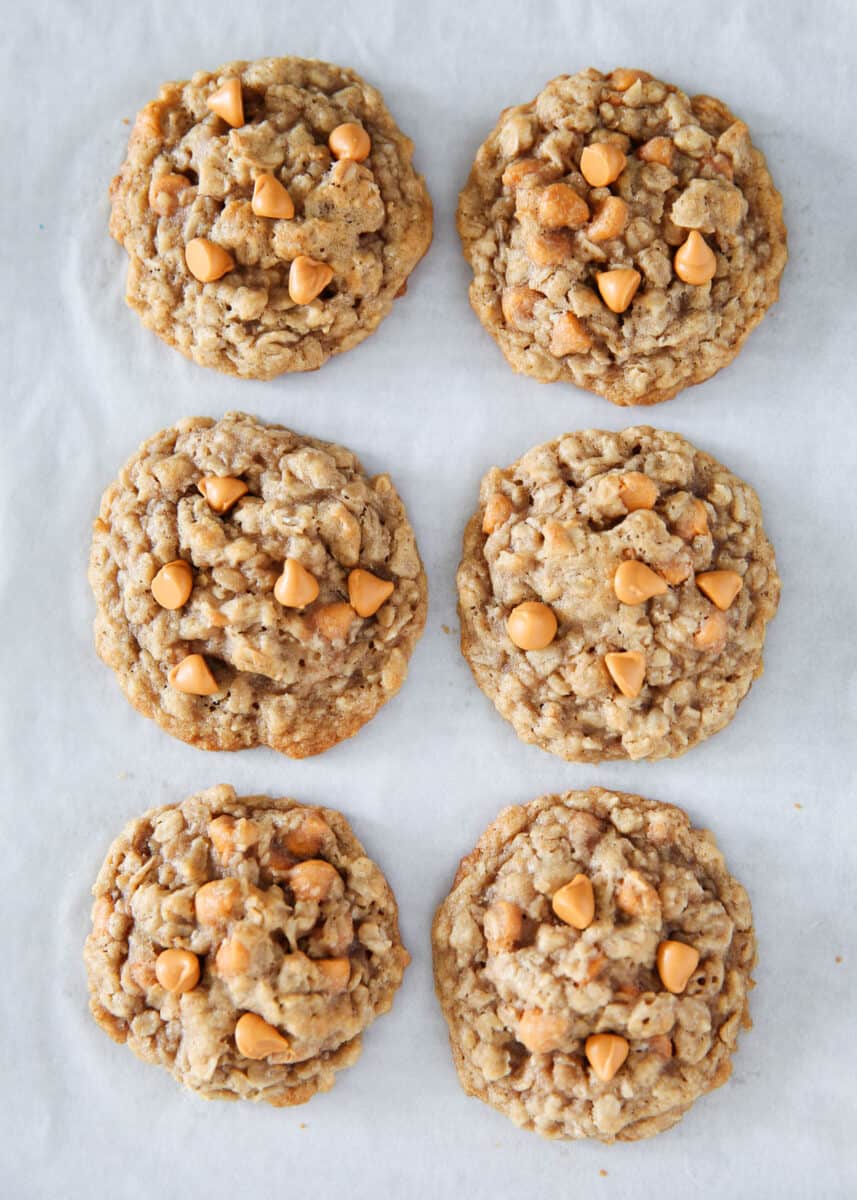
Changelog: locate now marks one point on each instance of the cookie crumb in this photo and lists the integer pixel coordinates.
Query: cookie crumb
(446, 629)
(603, 1173)
(838, 958)
(798, 805)
(126, 120)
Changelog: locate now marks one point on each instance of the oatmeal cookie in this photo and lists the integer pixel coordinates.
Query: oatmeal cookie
(243, 943)
(270, 213)
(593, 964)
(254, 586)
(623, 236)
(613, 591)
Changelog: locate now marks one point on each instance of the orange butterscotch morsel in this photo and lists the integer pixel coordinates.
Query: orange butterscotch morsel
(270, 199)
(193, 677)
(694, 522)
(531, 625)
(637, 490)
(541, 1032)
(308, 278)
(307, 838)
(207, 261)
(498, 509)
(676, 963)
(623, 78)
(177, 970)
(232, 957)
(222, 491)
(226, 834)
(502, 926)
(605, 1053)
(215, 900)
(695, 262)
(367, 592)
(610, 218)
(350, 141)
(313, 879)
(569, 336)
(165, 191)
(574, 902)
(336, 973)
(627, 669)
(516, 304)
(173, 584)
(721, 587)
(228, 102)
(561, 207)
(635, 583)
(297, 587)
(256, 1039)
(601, 163)
(333, 621)
(657, 150)
(711, 632)
(619, 287)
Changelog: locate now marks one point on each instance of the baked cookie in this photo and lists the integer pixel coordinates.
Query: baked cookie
(623, 236)
(254, 586)
(593, 963)
(270, 213)
(243, 943)
(613, 593)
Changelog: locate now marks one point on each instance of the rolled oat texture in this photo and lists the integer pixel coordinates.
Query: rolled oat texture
(538, 234)
(296, 679)
(554, 528)
(654, 879)
(261, 951)
(189, 174)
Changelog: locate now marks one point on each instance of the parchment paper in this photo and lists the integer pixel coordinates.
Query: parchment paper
(429, 398)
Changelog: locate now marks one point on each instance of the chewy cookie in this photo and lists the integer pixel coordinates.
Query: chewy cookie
(244, 944)
(593, 964)
(623, 236)
(613, 592)
(270, 213)
(254, 586)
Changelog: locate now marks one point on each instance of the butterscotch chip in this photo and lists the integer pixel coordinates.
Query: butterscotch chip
(656, 168)
(270, 199)
(594, 1031)
(228, 102)
(244, 638)
(612, 562)
(241, 973)
(268, 162)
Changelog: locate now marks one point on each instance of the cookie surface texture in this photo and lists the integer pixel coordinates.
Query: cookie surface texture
(243, 943)
(270, 213)
(645, 565)
(254, 586)
(573, 1032)
(623, 236)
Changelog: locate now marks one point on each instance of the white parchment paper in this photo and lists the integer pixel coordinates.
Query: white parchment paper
(429, 398)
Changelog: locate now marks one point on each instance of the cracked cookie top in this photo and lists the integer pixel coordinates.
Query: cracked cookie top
(614, 590)
(270, 213)
(244, 944)
(623, 236)
(254, 586)
(593, 964)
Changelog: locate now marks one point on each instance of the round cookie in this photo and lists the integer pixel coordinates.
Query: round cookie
(593, 964)
(613, 592)
(270, 213)
(623, 236)
(254, 586)
(243, 943)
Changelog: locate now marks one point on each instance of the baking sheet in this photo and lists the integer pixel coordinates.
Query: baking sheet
(429, 398)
